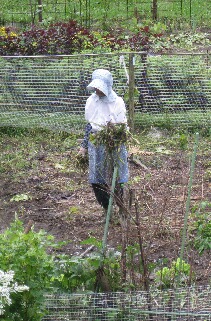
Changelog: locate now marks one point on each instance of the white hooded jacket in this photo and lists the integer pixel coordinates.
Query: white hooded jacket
(109, 108)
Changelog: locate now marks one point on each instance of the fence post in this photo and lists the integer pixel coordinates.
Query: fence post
(131, 92)
(40, 10)
(154, 10)
(190, 184)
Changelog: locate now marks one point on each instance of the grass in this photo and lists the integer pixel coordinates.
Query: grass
(70, 123)
(25, 147)
(193, 120)
(194, 12)
(53, 121)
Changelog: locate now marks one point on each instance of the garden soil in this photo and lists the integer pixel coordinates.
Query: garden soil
(61, 202)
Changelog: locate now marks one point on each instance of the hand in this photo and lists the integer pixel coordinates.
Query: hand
(82, 151)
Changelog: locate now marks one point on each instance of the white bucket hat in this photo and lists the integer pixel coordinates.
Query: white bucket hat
(98, 84)
(103, 80)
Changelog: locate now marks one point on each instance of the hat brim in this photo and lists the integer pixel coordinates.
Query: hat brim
(98, 84)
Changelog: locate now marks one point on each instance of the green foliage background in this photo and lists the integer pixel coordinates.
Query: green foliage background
(102, 12)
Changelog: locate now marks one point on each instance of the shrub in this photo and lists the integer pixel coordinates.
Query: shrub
(7, 287)
(26, 255)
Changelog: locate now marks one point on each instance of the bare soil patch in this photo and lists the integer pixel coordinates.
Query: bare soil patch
(62, 203)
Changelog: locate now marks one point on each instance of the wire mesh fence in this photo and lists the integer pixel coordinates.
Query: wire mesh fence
(179, 304)
(194, 12)
(50, 91)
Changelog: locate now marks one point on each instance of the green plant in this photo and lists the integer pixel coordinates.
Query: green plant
(14, 159)
(26, 254)
(86, 273)
(167, 277)
(183, 141)
(72, 212)
(188, 40)
(76, 274)
(109, 274)
(20, 197)
(135, 179)
(13, 131)
(106, 13)
(201, 226)
(7, 287)
(112, 136)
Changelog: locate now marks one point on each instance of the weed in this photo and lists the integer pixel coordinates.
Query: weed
(167, 277)
(73, 210)
(201, 226)
(82, 162)
(134, 180)
(183, 141)
(20, 197)
(13, 131)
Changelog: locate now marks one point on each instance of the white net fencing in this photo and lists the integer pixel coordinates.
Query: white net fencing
(179, 304)
(50, 91)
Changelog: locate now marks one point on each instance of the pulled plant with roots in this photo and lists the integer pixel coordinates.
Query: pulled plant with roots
(112, 136)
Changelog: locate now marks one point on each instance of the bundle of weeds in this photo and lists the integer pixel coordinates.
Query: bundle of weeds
(112, 136)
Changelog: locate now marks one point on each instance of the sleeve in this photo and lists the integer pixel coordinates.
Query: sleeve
(87, 130)
(121, 111)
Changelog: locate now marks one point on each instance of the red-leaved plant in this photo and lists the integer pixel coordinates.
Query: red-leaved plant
(68, 38)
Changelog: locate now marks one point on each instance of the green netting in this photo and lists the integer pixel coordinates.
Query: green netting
(50, 91)
(179, 304)
(194, 12)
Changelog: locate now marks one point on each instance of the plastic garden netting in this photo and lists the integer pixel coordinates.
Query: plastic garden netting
(50, 91)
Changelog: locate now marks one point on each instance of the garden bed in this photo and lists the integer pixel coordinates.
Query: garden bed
(40, 182)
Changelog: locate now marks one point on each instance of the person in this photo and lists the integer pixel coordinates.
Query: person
(104, 107)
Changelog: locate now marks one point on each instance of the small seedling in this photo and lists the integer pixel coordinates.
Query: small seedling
(73, 210)
(20, 197)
